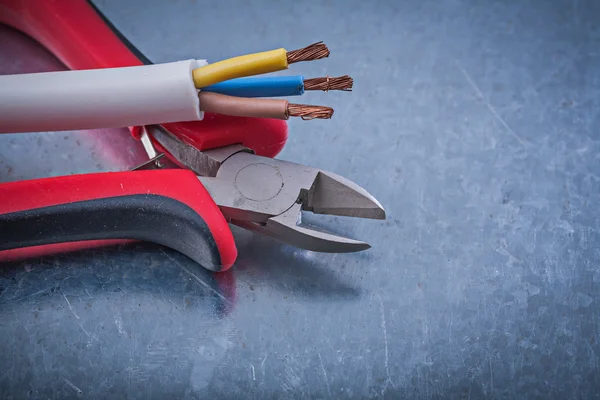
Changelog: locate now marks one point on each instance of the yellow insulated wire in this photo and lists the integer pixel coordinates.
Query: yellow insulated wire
(238, 67)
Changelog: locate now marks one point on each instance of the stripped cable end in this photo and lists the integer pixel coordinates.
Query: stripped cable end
(308, 112)
(326, 84)
(315, 51)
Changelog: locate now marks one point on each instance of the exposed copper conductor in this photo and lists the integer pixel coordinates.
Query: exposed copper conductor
(307, 112)
(328, 83)
(315, 51)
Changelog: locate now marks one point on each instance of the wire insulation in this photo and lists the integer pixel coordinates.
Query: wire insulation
(279, 86)
(256, 64)
(261, 108)
(99, 98)
(237, 67)
(271, 86)
(243, 107)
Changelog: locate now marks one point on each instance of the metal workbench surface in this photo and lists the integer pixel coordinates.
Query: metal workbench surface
(475, 124)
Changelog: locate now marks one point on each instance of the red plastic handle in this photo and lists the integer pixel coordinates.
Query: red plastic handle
(79, 36)
(133, 201)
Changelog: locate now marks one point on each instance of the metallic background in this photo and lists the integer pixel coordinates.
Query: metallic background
(475, 123)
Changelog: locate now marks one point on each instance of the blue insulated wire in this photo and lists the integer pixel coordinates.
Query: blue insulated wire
(268, 86)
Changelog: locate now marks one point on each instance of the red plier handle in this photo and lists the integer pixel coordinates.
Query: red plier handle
(166, 207)
(77, 34)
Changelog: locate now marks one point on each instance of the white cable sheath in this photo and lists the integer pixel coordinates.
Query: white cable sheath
(101, 98)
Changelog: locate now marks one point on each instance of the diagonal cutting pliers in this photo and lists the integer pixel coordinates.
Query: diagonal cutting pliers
(227, 175)
(186, 209)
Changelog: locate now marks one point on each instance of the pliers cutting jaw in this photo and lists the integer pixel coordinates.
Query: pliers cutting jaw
(267, 195)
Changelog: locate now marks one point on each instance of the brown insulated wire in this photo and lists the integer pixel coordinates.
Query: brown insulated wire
(242, 107)
(262, 108)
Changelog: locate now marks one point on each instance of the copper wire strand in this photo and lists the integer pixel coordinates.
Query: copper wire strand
(308, 112)
(326, 84)
(315, 51)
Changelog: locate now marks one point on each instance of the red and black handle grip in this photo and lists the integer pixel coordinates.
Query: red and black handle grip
(82, 38)
(79, 35)
(167, 207)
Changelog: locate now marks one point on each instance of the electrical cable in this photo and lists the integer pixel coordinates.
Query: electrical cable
(279, 86)
(262, 108)
(99, 98)
(148, 94)
(256, 64)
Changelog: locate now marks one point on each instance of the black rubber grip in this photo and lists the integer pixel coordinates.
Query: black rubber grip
(151, 218)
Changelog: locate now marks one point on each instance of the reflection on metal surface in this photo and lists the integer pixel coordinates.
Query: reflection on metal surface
(95, 305)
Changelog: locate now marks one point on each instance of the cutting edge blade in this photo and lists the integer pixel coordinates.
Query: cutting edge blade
(288, 228)
(333, 194)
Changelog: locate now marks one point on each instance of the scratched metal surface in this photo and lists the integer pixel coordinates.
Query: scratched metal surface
(475, 123)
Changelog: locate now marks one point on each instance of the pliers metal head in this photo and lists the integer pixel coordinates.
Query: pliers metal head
(267, 195)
